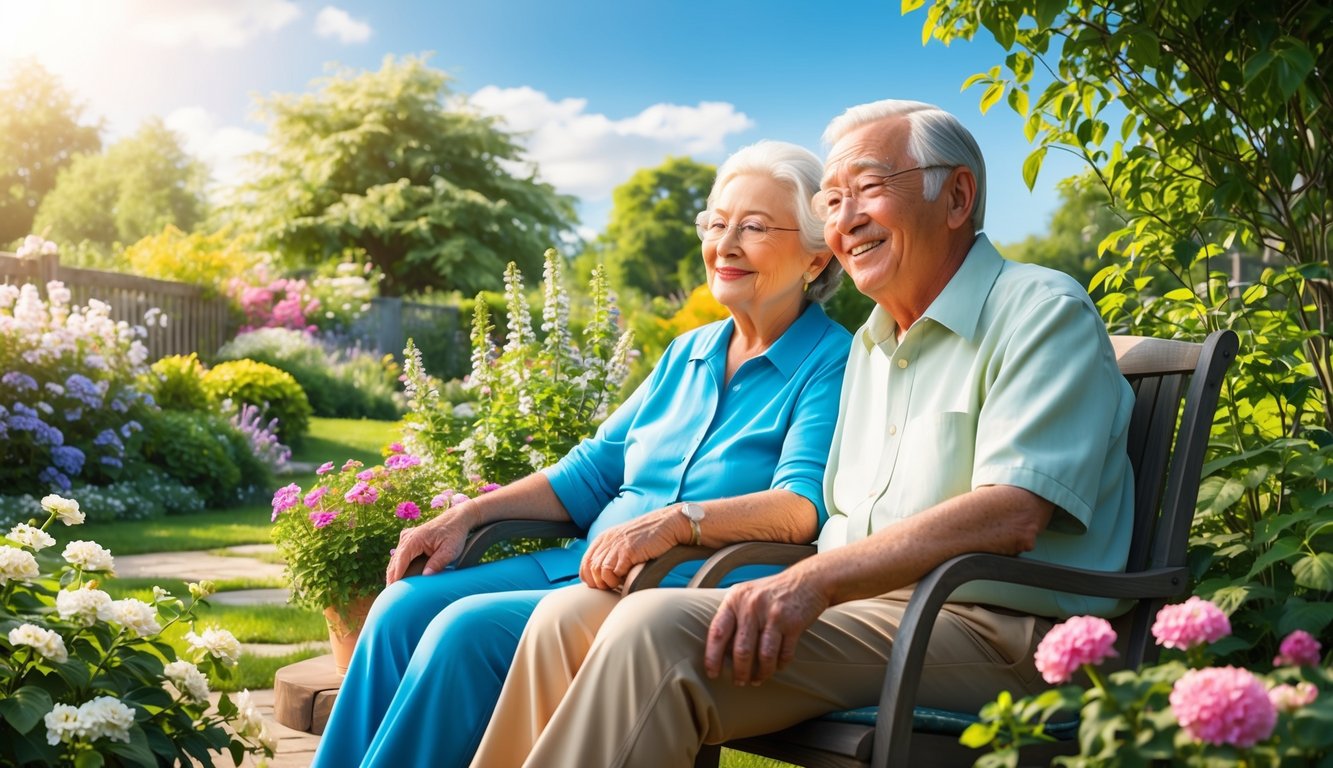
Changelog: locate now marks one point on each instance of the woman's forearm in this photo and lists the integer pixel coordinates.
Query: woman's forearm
(531, 498)
(773, 515)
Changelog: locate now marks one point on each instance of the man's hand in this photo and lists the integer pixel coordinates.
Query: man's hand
(759, 622)
(440, 539)
(612, 554)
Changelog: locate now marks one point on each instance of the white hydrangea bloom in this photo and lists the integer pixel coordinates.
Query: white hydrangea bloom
(106, 717)
(46, 642)
(185, 679)
(65, 509)
(17, 565)
(82, 606)
(32, 537)
(219, 643)
(248, 720)
(135, 615)
(89, 556)
(63, 724)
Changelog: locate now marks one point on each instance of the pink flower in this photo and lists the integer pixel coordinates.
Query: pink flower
(487, 488)
(321, 519)
(1299, 649)
(1223, 705)
(408, 510)
(285, 498)
(1068, 646)
(365, 474)
(1191, 623)
(401, 461)
(442, 500)
(396, 448)
(362, 493)
(312, 498)
(1289, 698)
(457, 498)
(352, 464)
(324, 468)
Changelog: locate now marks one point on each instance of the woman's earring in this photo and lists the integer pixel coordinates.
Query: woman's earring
(809, 278)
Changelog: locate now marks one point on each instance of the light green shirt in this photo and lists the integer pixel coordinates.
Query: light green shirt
(1008, 378)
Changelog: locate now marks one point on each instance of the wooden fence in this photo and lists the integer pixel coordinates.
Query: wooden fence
(195, 322)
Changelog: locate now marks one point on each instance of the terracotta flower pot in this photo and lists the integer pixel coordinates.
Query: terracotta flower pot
(344, 629)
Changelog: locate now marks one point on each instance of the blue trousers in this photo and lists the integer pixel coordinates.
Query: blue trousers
(429, 665)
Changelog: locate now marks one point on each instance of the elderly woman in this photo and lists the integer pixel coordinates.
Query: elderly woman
(726, 441)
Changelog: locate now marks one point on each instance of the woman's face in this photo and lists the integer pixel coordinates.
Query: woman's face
(749, 273)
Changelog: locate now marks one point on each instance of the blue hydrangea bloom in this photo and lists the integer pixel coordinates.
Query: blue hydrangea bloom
(19, 380)
(67, 459)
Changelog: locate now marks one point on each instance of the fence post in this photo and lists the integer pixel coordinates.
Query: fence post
(48, 269)
(389, 325)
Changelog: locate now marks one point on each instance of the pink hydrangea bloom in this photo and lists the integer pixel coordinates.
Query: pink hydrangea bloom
(1289, 698)
(396, 448)
(362, 493)
(1191, 623)
(1068, 646)
(401, 461)
(1299, 649)
(1223, 705)
(312, 498)
(321, 519)
(365, 474)
(285, 498)
(324, 468)
(408, 510)
(487, 488)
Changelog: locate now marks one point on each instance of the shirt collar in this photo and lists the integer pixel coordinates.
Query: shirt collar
(786, 354)
(958, 306)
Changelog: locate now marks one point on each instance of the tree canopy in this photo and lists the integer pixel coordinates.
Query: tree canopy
(136, 188)
(1083, 219)
(390, 162)
(40, 133)
(650, 244)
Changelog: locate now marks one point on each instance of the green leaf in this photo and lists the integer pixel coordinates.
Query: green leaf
(911, 5)
(90, 760)
(1315, 571)
(1180, 294)
(978, 735)
(932, 18)
(1018, 99)
(992, 95)
(1032, 166)
(1047, 11)
(25, 707)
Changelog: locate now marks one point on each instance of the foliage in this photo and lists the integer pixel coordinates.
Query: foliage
(88, 681)
(379, 161)
(650, 245)
(534, 400)
(136, 188)
(146, 494)
(176, 383)
(41, 131)
(336, 538)
(344, 290)
(275, 392)
(1207, 125)
(343, 383)
(192, 447)
(1210, 716)
(208, 260)
(1083, 219)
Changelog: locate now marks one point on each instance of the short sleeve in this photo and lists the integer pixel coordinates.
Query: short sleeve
(805, 450)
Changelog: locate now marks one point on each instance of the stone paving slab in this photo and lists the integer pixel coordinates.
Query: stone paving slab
(251, 597)
(195, 566)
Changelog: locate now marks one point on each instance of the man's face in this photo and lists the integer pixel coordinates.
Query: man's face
(880, 228)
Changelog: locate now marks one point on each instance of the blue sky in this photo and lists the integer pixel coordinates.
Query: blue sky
(598, 88)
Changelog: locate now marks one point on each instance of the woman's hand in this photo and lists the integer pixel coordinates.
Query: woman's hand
(440, 539)
(612, 554)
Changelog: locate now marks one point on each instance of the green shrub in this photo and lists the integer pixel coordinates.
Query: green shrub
(177, 384)
(273, 390)
(195, 449)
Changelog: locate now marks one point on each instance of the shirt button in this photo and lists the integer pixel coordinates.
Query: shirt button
(902, 362)
(736, 388)
(893, 429)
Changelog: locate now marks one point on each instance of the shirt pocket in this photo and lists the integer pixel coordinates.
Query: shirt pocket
(934, 463)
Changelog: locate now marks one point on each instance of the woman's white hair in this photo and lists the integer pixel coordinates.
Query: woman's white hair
(799, 170)
(937, 138)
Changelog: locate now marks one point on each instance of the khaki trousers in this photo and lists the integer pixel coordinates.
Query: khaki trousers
(604, 681)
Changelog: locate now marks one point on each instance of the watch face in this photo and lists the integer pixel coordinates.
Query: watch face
(693, 511)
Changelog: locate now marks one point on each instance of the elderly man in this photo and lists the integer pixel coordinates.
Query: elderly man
(982, 411)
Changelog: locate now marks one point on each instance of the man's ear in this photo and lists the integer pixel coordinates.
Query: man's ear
(960, 190)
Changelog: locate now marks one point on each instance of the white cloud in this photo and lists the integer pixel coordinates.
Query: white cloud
(335, 22)
(222, 147)
(588, 154)
(208, 23)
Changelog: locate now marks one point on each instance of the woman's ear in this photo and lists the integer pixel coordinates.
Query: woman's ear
(818, 261)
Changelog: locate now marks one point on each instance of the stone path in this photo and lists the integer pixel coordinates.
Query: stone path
(295, 748)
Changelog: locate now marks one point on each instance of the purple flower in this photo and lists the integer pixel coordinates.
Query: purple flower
(396, 448)
(1068, 646)
(73, 414)
(1223, 705)
(19, 381)
(67, 459)
(366, 474)
(401, 461)
(312, 498)
(441, 500)
(1191, 623)
(321, 519)
(324, 468)
(1299, 649)
(362, 493)
(408, 510)
(55, 478)
(285, 498)
(457, 498)
(487, 488)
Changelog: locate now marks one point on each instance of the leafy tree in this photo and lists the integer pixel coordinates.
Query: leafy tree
(436, 195)
(40, 133)
(136, 188)
(1082, 220)
(650, 244)
(1208, 124)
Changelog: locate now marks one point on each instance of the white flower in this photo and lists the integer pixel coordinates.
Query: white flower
(88, 556)
(28, 536)
(63, 724)
(46, 642)
(248, 720)
(82, 606)
(187, 680)
(65, 509)
(17, 565)
(106, 717)
(135, 615)
(219, 643)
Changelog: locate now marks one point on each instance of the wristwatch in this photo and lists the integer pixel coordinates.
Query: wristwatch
(695, 514)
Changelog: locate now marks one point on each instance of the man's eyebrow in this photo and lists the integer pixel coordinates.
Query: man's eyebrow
(858, 165)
